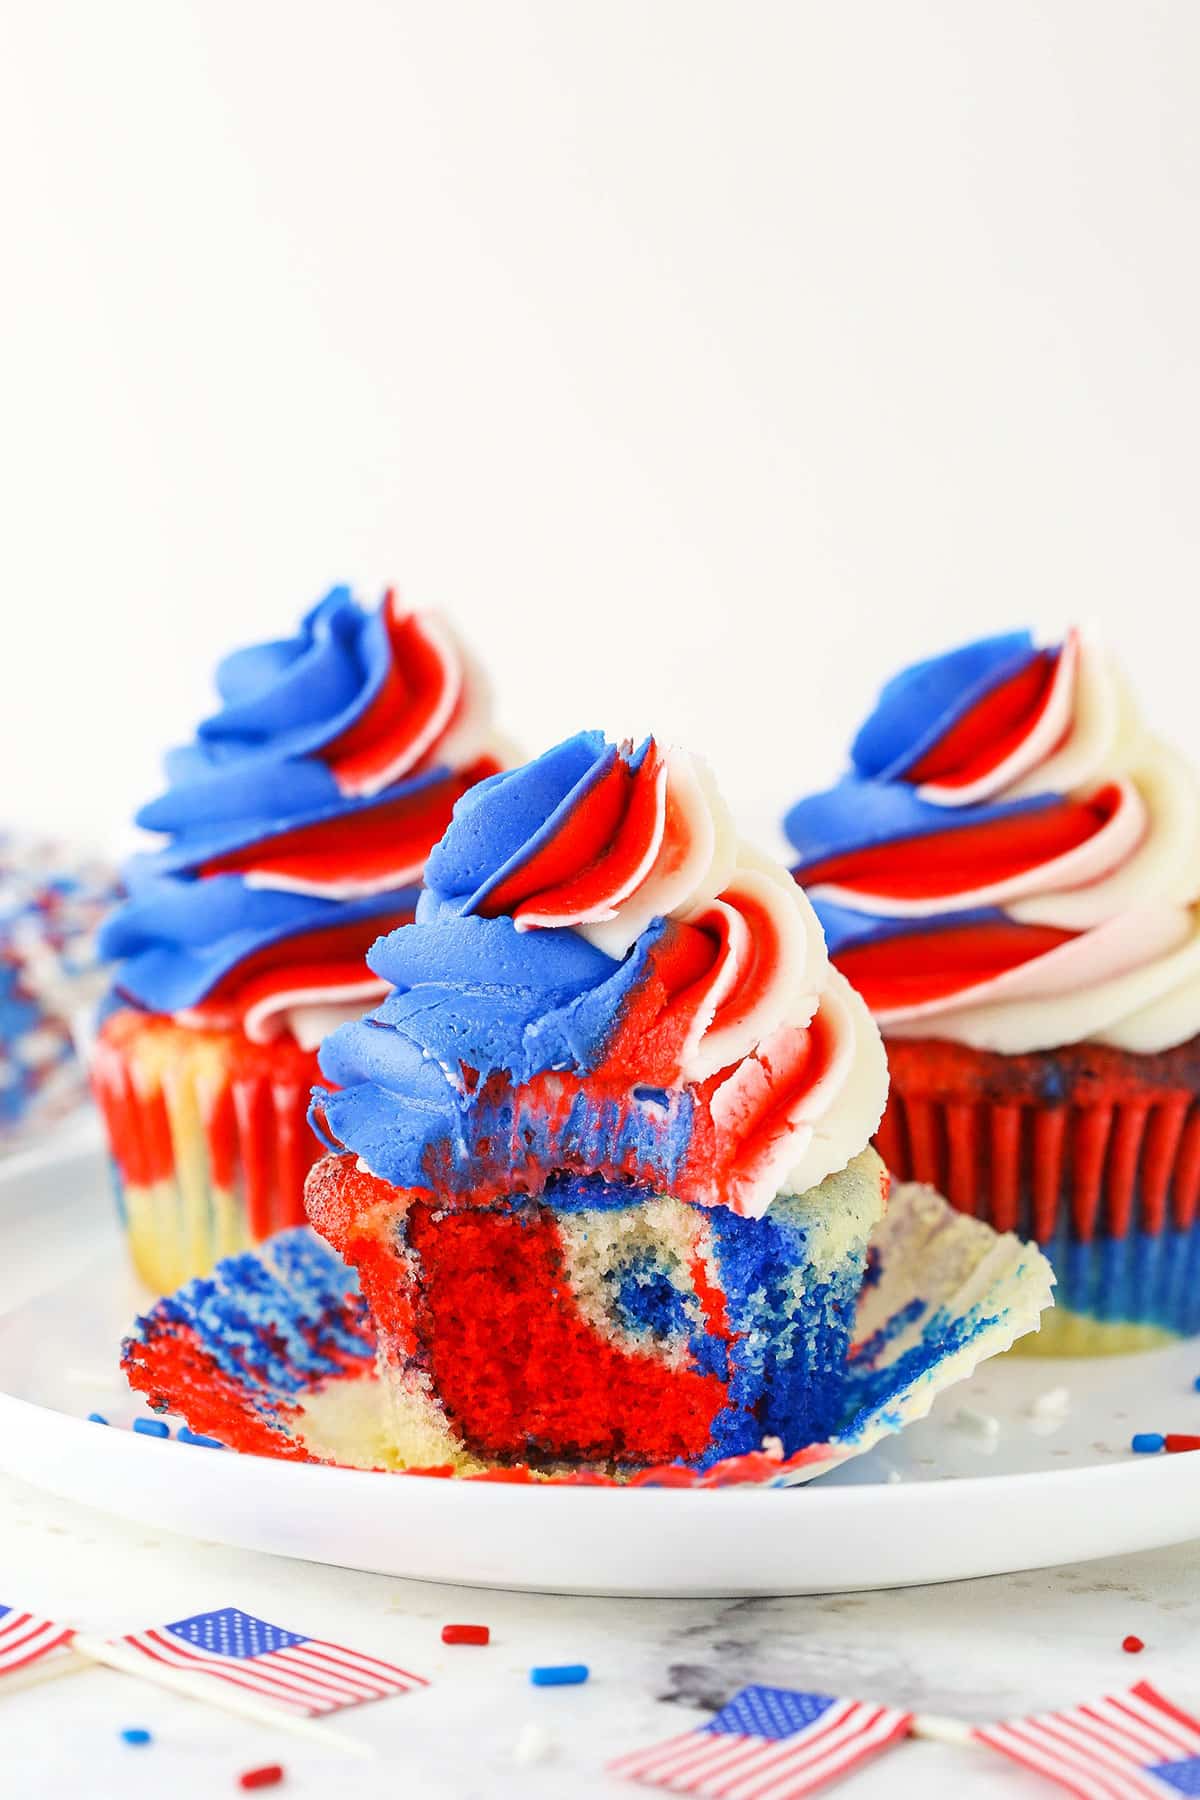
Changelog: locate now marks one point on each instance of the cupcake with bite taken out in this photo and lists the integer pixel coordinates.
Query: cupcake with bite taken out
(1010, 876)
(297, 824)
(601, 1157)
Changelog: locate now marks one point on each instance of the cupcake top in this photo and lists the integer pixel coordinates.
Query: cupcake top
(1013, 860)
(604, 982)
(299, 819)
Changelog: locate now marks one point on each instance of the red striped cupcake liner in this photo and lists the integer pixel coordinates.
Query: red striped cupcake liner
(1092, 1152)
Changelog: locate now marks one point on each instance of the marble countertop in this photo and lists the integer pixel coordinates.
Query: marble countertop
(971, 1650)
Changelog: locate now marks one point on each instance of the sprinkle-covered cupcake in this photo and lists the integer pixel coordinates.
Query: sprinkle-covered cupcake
(601, 1157)
(52, 902)
(1009, 874)
(298, 823)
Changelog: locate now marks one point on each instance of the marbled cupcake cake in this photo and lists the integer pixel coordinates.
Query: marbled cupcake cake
(600, 1158)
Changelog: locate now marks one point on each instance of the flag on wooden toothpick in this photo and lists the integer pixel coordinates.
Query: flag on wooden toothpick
(768, 1742)
(286, 1668)
(1132, 1746)
(25, 1638)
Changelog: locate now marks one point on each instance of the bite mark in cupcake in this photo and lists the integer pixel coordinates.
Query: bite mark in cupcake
(600, 1155)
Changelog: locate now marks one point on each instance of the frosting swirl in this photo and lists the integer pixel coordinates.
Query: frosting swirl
(300, 818)
(1013, 861)
(603, 980)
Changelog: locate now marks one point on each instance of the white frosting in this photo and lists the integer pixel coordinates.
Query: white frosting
(769, 983)
(309, 1014)
(1132, 979)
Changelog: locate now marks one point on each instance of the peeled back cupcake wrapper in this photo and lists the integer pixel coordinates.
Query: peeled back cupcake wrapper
(274, 1353)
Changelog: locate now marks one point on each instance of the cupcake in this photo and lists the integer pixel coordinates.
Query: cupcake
(297, 826)
(52, 902)
(601, 1158)
(1009, 875)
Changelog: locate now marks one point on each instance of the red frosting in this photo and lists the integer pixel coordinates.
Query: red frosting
(993, 728)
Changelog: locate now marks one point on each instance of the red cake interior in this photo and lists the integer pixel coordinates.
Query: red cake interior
(519, 1370)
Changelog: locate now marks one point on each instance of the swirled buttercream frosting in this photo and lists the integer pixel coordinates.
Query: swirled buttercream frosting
(1013, 860)
(298, 822)
(603, 980)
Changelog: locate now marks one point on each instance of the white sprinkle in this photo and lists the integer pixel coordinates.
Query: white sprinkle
(979, 1424)
(43, 1045)
(894, 1476)
(1055, 1403)
(534, 1745)
(773, 1447)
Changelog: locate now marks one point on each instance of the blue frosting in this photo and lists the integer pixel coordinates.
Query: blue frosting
(920, 704)
(477, 992)
(845, 928)
(860, 815)
(875, 805)
(252, 773)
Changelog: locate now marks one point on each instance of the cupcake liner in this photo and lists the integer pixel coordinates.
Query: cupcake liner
(1091, 1152)
(276, 1355)
(209, 1137)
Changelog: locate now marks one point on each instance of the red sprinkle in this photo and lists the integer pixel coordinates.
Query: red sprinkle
(1179, 1440)
(1132, 1644)
(270, 1775)
(465, 1634)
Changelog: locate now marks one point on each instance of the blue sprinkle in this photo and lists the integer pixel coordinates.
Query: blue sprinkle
(1147, 1443)
(559, 1675)
(195, 1437)
(136, 1734)
(152, 1427)
(1196, 1384)
(97, 1419)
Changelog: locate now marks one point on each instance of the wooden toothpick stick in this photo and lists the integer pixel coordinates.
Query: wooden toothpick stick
(47, 1668)
(211, 1691)
(939, 1730)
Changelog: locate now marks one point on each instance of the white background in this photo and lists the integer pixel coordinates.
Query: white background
(703, 360)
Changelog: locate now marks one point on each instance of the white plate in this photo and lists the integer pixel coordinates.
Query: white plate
(965, 1503)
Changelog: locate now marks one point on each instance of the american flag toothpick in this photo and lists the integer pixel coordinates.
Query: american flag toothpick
(768, 1742)
(32, 1649)
(1136, 1745)
(244, 1665)
(285, 1668)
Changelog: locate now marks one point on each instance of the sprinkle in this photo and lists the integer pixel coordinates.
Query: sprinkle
(195, 1437)
(1181, 1440)
(1196, 1384)
(1053, 1404)
(270, 1775)
(979, 1424)
(559, 1675)
(773, 1447)
(534, 1745)
(152, 1427)
(465, 1634)
(1132, 1644)
(1147, 1443)
(97, 1419)
(136, 1734)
